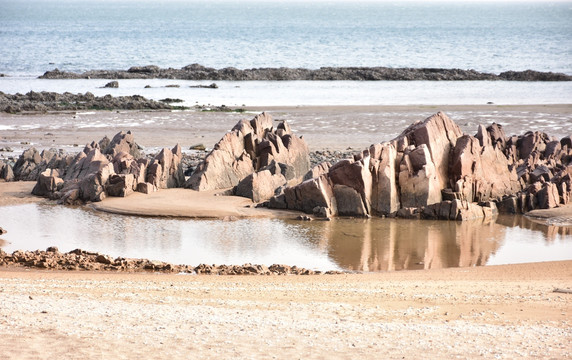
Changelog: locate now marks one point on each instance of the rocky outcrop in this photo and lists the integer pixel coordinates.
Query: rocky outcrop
(79, 259)
(51, 101)
(199, 72)
(105, 168)
(433, 170)
(251, 148)
(165, 170)
(32, 163)
(6, 172)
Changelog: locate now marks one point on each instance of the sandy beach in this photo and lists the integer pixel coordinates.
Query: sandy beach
(496, 312)
(501, 312)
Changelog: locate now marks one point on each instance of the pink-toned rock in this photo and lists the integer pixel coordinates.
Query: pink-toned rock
(145, 188)
(318, 170)
(497, 135)
(356, 175)
(385, 192)
(349, 201)
(418, 179)
(249, 147)
(312, 194)
(121, 142)
(6, 172)
(48, 183)
(481, 173)
(120, 185)
(439, 133)
(548, 196)
(260, 186)
(166, 171)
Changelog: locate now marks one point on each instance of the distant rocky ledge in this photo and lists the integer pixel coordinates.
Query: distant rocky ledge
(51, 101)
(199, 72)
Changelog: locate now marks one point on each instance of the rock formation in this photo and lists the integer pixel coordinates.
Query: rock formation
(199, 72)
(105, 168)
(51, 101)
(433, 170)
(79, 259)
(255, 158)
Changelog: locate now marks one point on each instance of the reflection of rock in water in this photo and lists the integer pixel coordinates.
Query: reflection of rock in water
(550, 231)
(395, 244)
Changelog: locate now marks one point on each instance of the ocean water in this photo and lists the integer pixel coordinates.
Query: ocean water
(77, 35)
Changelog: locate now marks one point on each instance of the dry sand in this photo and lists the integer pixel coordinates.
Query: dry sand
(495, 312)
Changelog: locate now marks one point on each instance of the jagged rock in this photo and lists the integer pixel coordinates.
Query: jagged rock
(249, 147)
(356, 175)
(121, 142)
(310, 194)
(566, 141)
(145, 188)
(120, 185)
(531, 141)
(166, 171)
(385, 192)
(349, 201)
(6, 172)
(418, 178)
(260, 186)
(497, 135)
(92, 185)
(48, 183)
(439, 133)
(548, 196)
(26, 164)
(481, 173)
(318, 170)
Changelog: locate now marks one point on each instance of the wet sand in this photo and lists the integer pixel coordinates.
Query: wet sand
(323, 127)
(500, 312)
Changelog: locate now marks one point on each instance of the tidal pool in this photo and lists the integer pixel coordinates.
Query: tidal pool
(341, 244)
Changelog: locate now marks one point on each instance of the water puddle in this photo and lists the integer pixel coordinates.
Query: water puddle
(340, 244)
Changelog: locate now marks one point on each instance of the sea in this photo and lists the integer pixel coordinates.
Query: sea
(76, 35)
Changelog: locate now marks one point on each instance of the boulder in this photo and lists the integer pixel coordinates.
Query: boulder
(6, 172)
(318, 170)
(385, 191)
(311, 194)
(121, 142)
(548, 196)
(48, 183)
(120, 185)
(166, 171)
(439, 133)
(356, 175)
(145, 188)
(260, 186)
(26, 164)
(418, 178)
(349, 201)
(481, 173)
